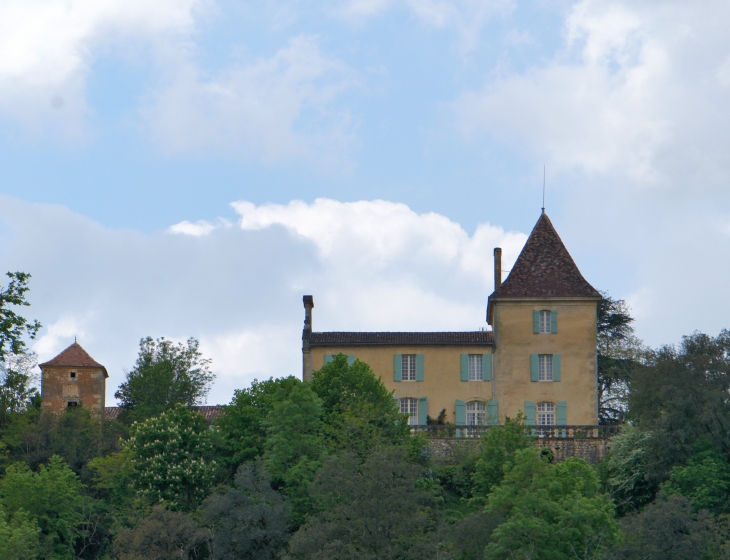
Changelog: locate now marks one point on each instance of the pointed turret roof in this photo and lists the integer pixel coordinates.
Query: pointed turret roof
(74, 356)
(545, 268)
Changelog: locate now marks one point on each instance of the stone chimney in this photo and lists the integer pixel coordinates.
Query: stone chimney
(306, 336)
(497, 268)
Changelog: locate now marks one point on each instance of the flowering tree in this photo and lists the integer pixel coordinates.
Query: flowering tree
(171, 458)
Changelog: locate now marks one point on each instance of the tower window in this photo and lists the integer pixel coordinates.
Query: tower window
(408, 367)
(475, 367)
(545, 414)
(72, 404)
(476, 413)
(546, 367)
(72, 375)
(545, 321)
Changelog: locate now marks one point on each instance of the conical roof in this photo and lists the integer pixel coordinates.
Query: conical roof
(545, 268)
(74, 356)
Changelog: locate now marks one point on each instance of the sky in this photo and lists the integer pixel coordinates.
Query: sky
(191, 168)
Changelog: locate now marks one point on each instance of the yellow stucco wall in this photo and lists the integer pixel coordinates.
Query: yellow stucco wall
(442, 372)
(575, 341)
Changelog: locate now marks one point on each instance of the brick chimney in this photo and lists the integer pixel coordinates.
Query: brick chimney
(497, 268)
(306, 336)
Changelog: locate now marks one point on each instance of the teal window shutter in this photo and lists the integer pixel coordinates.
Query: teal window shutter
(328, 358)
(554, 321)
(398, 367)
(486, 367)
(563, 413)
(419, 367)
(529, 413)
(465, 367)
(422, 411)
(492, 413)
(535, 367)
(536, 321)
(396, 400)
(350, 359)
(556, 367)
(460, 413)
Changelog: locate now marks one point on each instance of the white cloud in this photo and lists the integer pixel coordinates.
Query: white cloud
(638, 93)
(370, 265)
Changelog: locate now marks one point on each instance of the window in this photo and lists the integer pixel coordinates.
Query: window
(545, 414)
(72, 375)
(410, 407)
(546, 321)
(475, 367)
(72, 404)
(546, 367)
(408, 372)
(476, 413)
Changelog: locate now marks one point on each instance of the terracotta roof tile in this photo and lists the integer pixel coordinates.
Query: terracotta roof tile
(545, 268)
(399, 338)
(74, 356)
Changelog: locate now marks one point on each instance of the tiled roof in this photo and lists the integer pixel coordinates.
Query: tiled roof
(210, 413)
(545, 268)
(399, 338)
(74, 356)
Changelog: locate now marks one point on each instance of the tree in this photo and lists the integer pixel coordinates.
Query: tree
(376, 509)
(164, 375)
(19, 536)
(171, 457)
(705, 481)
(17, 384)
(249, 521)
(551, 511)
(14, 327)
(359, 411)
(163, 535)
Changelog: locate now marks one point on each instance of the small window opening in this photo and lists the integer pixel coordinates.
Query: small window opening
(73, 404)
(73, 375)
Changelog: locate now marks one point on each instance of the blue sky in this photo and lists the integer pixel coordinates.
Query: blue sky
(192, 167)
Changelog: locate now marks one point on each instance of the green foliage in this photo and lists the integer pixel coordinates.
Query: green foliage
(241, 426)
(551, 511)
(163, 535)
(295, 446)
(171, 457)
(14, 327)
(17, 390)
(52, 497)
(626, 468)
(369, 510)
(705, 480)
(19, 536)
(358, 409)
(498, 453)
(165, 374)
(249, 521)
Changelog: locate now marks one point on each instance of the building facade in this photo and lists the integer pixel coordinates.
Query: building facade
(538, 359)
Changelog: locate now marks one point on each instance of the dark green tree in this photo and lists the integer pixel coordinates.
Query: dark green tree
(165, 374)
(14, 327)
(705, 481)
(17, 384)
(376, 509)
(249, 521)
(625, 470)
(19, 536)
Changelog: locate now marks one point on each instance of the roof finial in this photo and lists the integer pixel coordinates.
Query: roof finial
(74, 339)
(543, 188)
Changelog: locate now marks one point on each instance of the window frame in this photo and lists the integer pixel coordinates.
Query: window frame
(411, 409)
(409, 367)
(545, 321)
(545, 371)
(475, 367)
(549, 412)
(478, 412)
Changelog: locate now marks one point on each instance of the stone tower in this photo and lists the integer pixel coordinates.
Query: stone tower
(73, 378)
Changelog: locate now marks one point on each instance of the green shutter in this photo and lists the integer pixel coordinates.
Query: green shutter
(398, 367)
(563, 413)
(328, 358)
(460, 413)
(492, 413)
(486, 367)
(556, 367)
(465, 367)
(536, 321)
(554, 321)
(350, 359)
(419, 367)
(529, 413)
(534, 367)
(422, 411)
(397, 403)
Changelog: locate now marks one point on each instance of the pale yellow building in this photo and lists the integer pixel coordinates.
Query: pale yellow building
(539, 358)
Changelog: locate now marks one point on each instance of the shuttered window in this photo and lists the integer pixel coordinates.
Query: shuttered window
(410, 406)
(476, 371)
(408, 367)
(545, 414)
(476, 413)
(546, 367)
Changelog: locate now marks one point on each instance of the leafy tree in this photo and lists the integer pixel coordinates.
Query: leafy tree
(470, 536)
(163, 535)
(705, 481)
(164, 375)
(241, 426)
(19, 536)
(113, 480)
(551, 511)
(171, 457)
(13, 327)
(52, 497)
(17, 384)
(359, 411)
(295, 446)
(498, 454)
(376, 509)
(626, 470)
(249, 521)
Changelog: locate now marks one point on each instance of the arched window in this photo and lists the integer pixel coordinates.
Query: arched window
(546, 318)
(476, 413)
(410, 406)
(545, 414)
